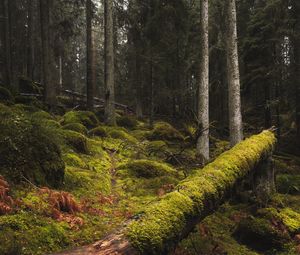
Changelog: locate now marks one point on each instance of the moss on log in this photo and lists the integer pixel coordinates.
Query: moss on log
(163, 224)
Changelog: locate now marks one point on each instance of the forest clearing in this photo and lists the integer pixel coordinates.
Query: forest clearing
(149, 127)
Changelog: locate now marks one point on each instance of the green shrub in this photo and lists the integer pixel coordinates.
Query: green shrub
(288, 184)
(77, 127)
(5, 95)
(127, 121)
(98, 131)
(76, 140)
(165, 131)
(86, 118)
(147, 168)
(28, 149)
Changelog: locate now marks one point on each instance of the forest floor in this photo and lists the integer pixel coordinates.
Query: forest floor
(112, 173)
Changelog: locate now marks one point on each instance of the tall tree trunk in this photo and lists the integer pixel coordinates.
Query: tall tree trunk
(90, 61)
(233, 76)
(296, 45)
(203, 89)
(110, 117)
(138, 84)
(6, 50)
(30, 38)
(49, 89)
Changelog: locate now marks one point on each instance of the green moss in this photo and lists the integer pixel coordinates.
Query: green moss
(127, 121)
(86, 118)
(121, 134)
(147, 168)
(42, 115)
(288, 184)
(164, 223)
(84, 183)
(165, 131)
(18, 236)
(260, 234)
(98, 131)
(76, 140)
(291, 220)
(74, 160)
(28, 149)
(141, 134)
(5, 95)
(77, 127)
(156, 148)
(51, 124)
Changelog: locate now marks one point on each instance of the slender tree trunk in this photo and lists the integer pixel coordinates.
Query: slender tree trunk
(30, 38)
(50, 90)
(296, 7)
(203, 90)
(6, 50)
(90, 61)
(234, 95)
(138, 84)
(151, 120)
(110, 118)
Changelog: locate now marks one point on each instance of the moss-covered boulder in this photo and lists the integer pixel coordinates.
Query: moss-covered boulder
(72, 159)
(147, 168)
(127, 121)
(98, 131)
(261, 234)
(42, 115)
(122, 134)
(165, 131)
(288, 184)
(25, 233)
(156, 148)
(86, 118)
(5, 95)
(76, 140)
(77, 127)
(28, 150)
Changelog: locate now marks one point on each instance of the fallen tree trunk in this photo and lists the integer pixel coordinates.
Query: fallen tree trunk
(164, 223)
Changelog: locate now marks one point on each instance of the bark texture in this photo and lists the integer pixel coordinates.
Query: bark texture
(203, 90)
(49, 88)
(110, 117)
(90, 57)
(234, 94)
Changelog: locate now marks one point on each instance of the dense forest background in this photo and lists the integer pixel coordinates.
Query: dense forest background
(174, 122)
(157, 48)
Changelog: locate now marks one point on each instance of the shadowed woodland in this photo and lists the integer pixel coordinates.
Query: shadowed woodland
(150, 127)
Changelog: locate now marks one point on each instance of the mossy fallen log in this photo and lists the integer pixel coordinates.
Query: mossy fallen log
(163, 224)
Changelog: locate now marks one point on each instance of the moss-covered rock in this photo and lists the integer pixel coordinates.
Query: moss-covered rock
(98, 131)
(261, 234)
(18, 236)
(165, 131)
(86, 118)
(127, 121)
(77, 127)
(118, 133)
(288, 184)
(147, 168)
(72, 159)
(157, 148)
(5, 95)
(42, 115)
(76, 140)
(28, 149)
